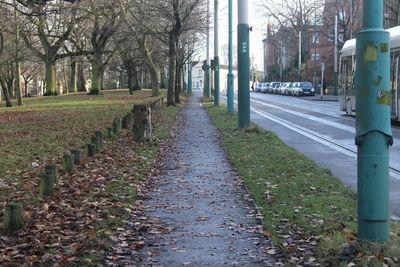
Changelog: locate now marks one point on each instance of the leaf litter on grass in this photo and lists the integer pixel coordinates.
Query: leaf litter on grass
(77, 224)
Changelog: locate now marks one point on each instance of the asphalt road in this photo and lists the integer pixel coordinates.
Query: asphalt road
(322, 132)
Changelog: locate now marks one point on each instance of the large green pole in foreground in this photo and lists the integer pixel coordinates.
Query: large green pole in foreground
(243, 65)
(373, 129)
(230, 93)
(216, 56)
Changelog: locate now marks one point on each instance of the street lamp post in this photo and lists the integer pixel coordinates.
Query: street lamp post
(373, 128)
(335, 69)
(243, 65)
(207, 65)
(230, 93)
(216, 56)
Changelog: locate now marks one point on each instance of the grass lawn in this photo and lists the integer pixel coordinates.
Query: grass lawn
(76, 226)
(46, 127)
(308, 213)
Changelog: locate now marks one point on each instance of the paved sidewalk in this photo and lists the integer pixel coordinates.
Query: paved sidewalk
(198, 213)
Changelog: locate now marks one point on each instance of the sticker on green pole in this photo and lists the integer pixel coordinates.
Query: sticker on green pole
(383, 97)
(371, 53)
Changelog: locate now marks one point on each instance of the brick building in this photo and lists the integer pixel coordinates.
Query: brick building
(322, 39)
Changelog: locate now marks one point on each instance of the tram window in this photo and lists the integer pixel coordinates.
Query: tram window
(392, 70)
(349, 74)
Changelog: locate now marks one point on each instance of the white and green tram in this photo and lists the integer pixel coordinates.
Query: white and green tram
(347, 67)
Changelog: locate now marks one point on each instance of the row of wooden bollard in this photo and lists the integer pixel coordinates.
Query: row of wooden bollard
(140, 116)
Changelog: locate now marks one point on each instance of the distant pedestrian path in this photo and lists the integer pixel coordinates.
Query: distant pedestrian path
(198, 212)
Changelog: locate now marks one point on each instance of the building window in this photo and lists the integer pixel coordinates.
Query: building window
(315, 56)
(315, 38)
(200, 72)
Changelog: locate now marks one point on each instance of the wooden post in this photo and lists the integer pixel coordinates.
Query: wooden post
(51, 169)
(95, 140)
(69, 166)
(130, 117)
(77, 156)
(91, 150)
(117, 125)
(110, 132)
(46, 186)
(125, 122)
(142, 130)
(99, 134)
(13, 217)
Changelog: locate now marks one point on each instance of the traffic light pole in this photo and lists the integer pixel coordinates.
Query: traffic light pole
(230, 93)
(243, 65)
(216, 57)
(373, 128)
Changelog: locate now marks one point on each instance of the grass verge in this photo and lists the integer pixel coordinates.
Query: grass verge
(308, 213)
(76, 226)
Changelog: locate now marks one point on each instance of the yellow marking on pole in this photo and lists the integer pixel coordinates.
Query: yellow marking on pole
(383, 97)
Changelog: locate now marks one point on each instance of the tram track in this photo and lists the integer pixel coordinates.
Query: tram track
(318, 137)
(395, 173)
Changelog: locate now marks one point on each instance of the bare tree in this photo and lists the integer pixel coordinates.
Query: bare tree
(49, 28)
(292, 17)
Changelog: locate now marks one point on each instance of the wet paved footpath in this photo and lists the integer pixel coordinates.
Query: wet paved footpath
(198, 212)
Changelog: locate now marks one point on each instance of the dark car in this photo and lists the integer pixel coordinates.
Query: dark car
(306, 88)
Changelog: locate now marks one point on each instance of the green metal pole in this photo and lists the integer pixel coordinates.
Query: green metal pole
(216, 56)
(207, 84)
(230, 90)
(373, 129)
(243, 65)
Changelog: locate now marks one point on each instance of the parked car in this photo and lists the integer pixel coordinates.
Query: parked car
(264, 88)
(257, 87)
(272, 86)
(275, 87)
(306, 88)
(283, 89)
(295, 91)
(290, 89)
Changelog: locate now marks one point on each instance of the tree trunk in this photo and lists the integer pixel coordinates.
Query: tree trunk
(6, 94)
(10, 83)
(121, 80)
(18, 88)
(73, 85)
(155, 87)
(178, 87)
(26, 88)
(129, 74)
(102, 77)
(172, 69)
(135, 80)
(81, 78)
(51, 78)
(96, 76)
(163, 79)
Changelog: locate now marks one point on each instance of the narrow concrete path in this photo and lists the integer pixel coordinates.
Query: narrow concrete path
(198, 213)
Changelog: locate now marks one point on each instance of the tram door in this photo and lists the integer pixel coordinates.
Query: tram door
(395, 86)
